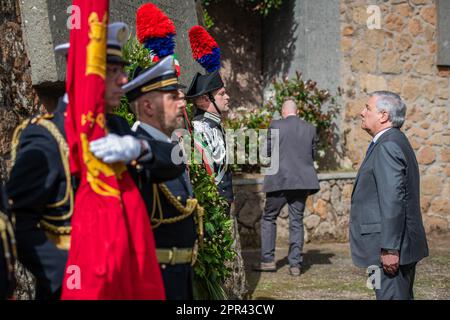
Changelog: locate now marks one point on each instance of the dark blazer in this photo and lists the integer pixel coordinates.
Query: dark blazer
(385, 206)
(297, 145)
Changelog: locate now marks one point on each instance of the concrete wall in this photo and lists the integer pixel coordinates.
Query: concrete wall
(44, 23)
(303, 36)
(238, 31)
(443, 36)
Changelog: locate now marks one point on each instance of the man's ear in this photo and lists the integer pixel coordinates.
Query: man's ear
(384, 117)
(148, 107)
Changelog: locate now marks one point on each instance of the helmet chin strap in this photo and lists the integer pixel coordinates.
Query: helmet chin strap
(210, 96)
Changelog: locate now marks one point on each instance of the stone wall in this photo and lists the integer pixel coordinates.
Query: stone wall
(401, 57)
(325, 218)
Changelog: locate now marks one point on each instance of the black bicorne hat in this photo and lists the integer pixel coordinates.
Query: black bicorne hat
(202, 84)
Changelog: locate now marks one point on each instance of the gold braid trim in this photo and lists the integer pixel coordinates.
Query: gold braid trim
(201, 232)
(191, 206)
(64, 153)
(16, 139)
(55, 229)
(156, 202)
(9, 247)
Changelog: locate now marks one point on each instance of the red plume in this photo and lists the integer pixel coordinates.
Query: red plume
(151, 22)
(201, 42)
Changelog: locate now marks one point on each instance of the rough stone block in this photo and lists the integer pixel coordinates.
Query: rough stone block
(45, 26)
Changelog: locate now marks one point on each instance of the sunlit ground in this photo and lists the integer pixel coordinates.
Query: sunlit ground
(328, 273)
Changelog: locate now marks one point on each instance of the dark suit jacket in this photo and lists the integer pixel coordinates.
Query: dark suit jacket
(297, 144)
(385, 208)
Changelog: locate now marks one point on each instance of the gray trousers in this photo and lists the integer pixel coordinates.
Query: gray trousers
(275, 201)
(398, 287)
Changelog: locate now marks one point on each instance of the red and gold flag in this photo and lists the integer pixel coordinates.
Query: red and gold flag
(112, 254)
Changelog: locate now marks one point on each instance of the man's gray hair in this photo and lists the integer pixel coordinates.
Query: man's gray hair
(393, 104)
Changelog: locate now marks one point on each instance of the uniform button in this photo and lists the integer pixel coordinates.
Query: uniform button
(179, 198)
(10, 202)
(163, 266)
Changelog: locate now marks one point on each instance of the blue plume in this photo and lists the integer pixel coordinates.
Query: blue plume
(162, 47)
(211, 61)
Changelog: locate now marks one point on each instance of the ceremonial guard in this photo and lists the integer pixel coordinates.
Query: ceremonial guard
(41, 193)
(211, 101)
(209, 96)
(7, 250)
(171, 205)
(158, 103)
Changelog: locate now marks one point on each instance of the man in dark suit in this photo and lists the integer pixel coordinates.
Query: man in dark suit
(295, 180)
(386, 228)
(158, 106)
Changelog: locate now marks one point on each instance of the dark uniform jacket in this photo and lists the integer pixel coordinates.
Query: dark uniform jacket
(161, 200)
(41, 194)
(208, 128)
(181, 234)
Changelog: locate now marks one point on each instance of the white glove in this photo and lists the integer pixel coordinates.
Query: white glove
(113, 148)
